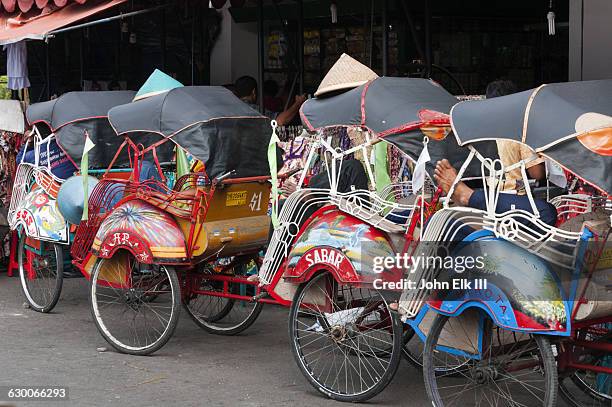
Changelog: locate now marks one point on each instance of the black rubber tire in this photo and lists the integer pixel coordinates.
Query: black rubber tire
(383, 381)
(166, 335)
(580, 394)
(209, 326)
(48, 305)
(430, 377)
(235, 330)
(214, 318)
(407, 355)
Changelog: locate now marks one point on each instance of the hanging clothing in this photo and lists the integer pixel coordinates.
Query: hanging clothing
(17, 65)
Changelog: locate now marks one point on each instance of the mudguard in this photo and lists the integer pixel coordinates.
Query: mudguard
(340, 244)
(150, 234)
(37, 214)
(516, 288)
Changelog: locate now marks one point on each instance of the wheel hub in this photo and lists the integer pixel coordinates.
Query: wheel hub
(484, 374)
(42, 262)
(133, 299)
(338, 333)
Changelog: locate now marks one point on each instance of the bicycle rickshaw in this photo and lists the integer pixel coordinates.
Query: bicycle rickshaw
(140, 233)
(59, 130)
(343, 336)
(543, 321)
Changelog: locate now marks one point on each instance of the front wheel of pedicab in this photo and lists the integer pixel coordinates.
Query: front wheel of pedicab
(40, 273)
(498, 367)
(345, 340)
(135, 306)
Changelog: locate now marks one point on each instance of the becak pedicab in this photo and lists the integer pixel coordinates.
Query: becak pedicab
(344, 337)
(51, 155)
(542, 321)
(139, 234)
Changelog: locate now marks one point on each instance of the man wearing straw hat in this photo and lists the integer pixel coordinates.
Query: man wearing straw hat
(347, 73)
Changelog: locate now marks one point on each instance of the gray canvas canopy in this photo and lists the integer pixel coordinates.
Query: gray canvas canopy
(208, 122)
(570, 123)
(393, 108)
(385, 106)
(73, 107)
(73, 114)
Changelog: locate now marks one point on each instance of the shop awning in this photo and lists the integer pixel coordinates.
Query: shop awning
(43, 16)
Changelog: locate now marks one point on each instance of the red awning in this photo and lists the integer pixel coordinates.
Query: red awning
(25, 5)
(44, 16)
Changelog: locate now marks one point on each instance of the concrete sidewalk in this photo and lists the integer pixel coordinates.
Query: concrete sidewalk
(255, 368)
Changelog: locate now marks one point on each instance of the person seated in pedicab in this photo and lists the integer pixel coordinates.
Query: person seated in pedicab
(463, 195)
(352, 176)
(510, 153)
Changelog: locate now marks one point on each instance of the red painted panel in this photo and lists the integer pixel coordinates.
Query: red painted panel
(15, 25)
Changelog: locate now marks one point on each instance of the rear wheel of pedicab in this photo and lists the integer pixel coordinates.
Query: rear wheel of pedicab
(346, 340)
(220, 315)
(509, 370)
(40, 273)
(135, 306)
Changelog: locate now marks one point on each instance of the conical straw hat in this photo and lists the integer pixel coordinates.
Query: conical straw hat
(157, 83)
(346, 73)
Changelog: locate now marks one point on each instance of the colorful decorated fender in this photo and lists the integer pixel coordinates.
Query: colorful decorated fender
(519, 290)
(340, 244)
(38, 216)
(150, 234)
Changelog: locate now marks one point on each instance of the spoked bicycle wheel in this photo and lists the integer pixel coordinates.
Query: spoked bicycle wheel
(499, 368)
(135, 306)
(345, 340)
(40, 273)
(412, 351)
(209, 304)
(587, 388)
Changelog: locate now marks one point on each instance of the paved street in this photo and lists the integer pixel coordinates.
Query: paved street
(194, 369)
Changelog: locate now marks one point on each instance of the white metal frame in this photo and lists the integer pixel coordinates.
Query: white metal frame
(553, 244)
(366, 205)
(27, 173)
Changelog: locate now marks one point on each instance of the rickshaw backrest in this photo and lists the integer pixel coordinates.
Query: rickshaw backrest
(236, 220)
